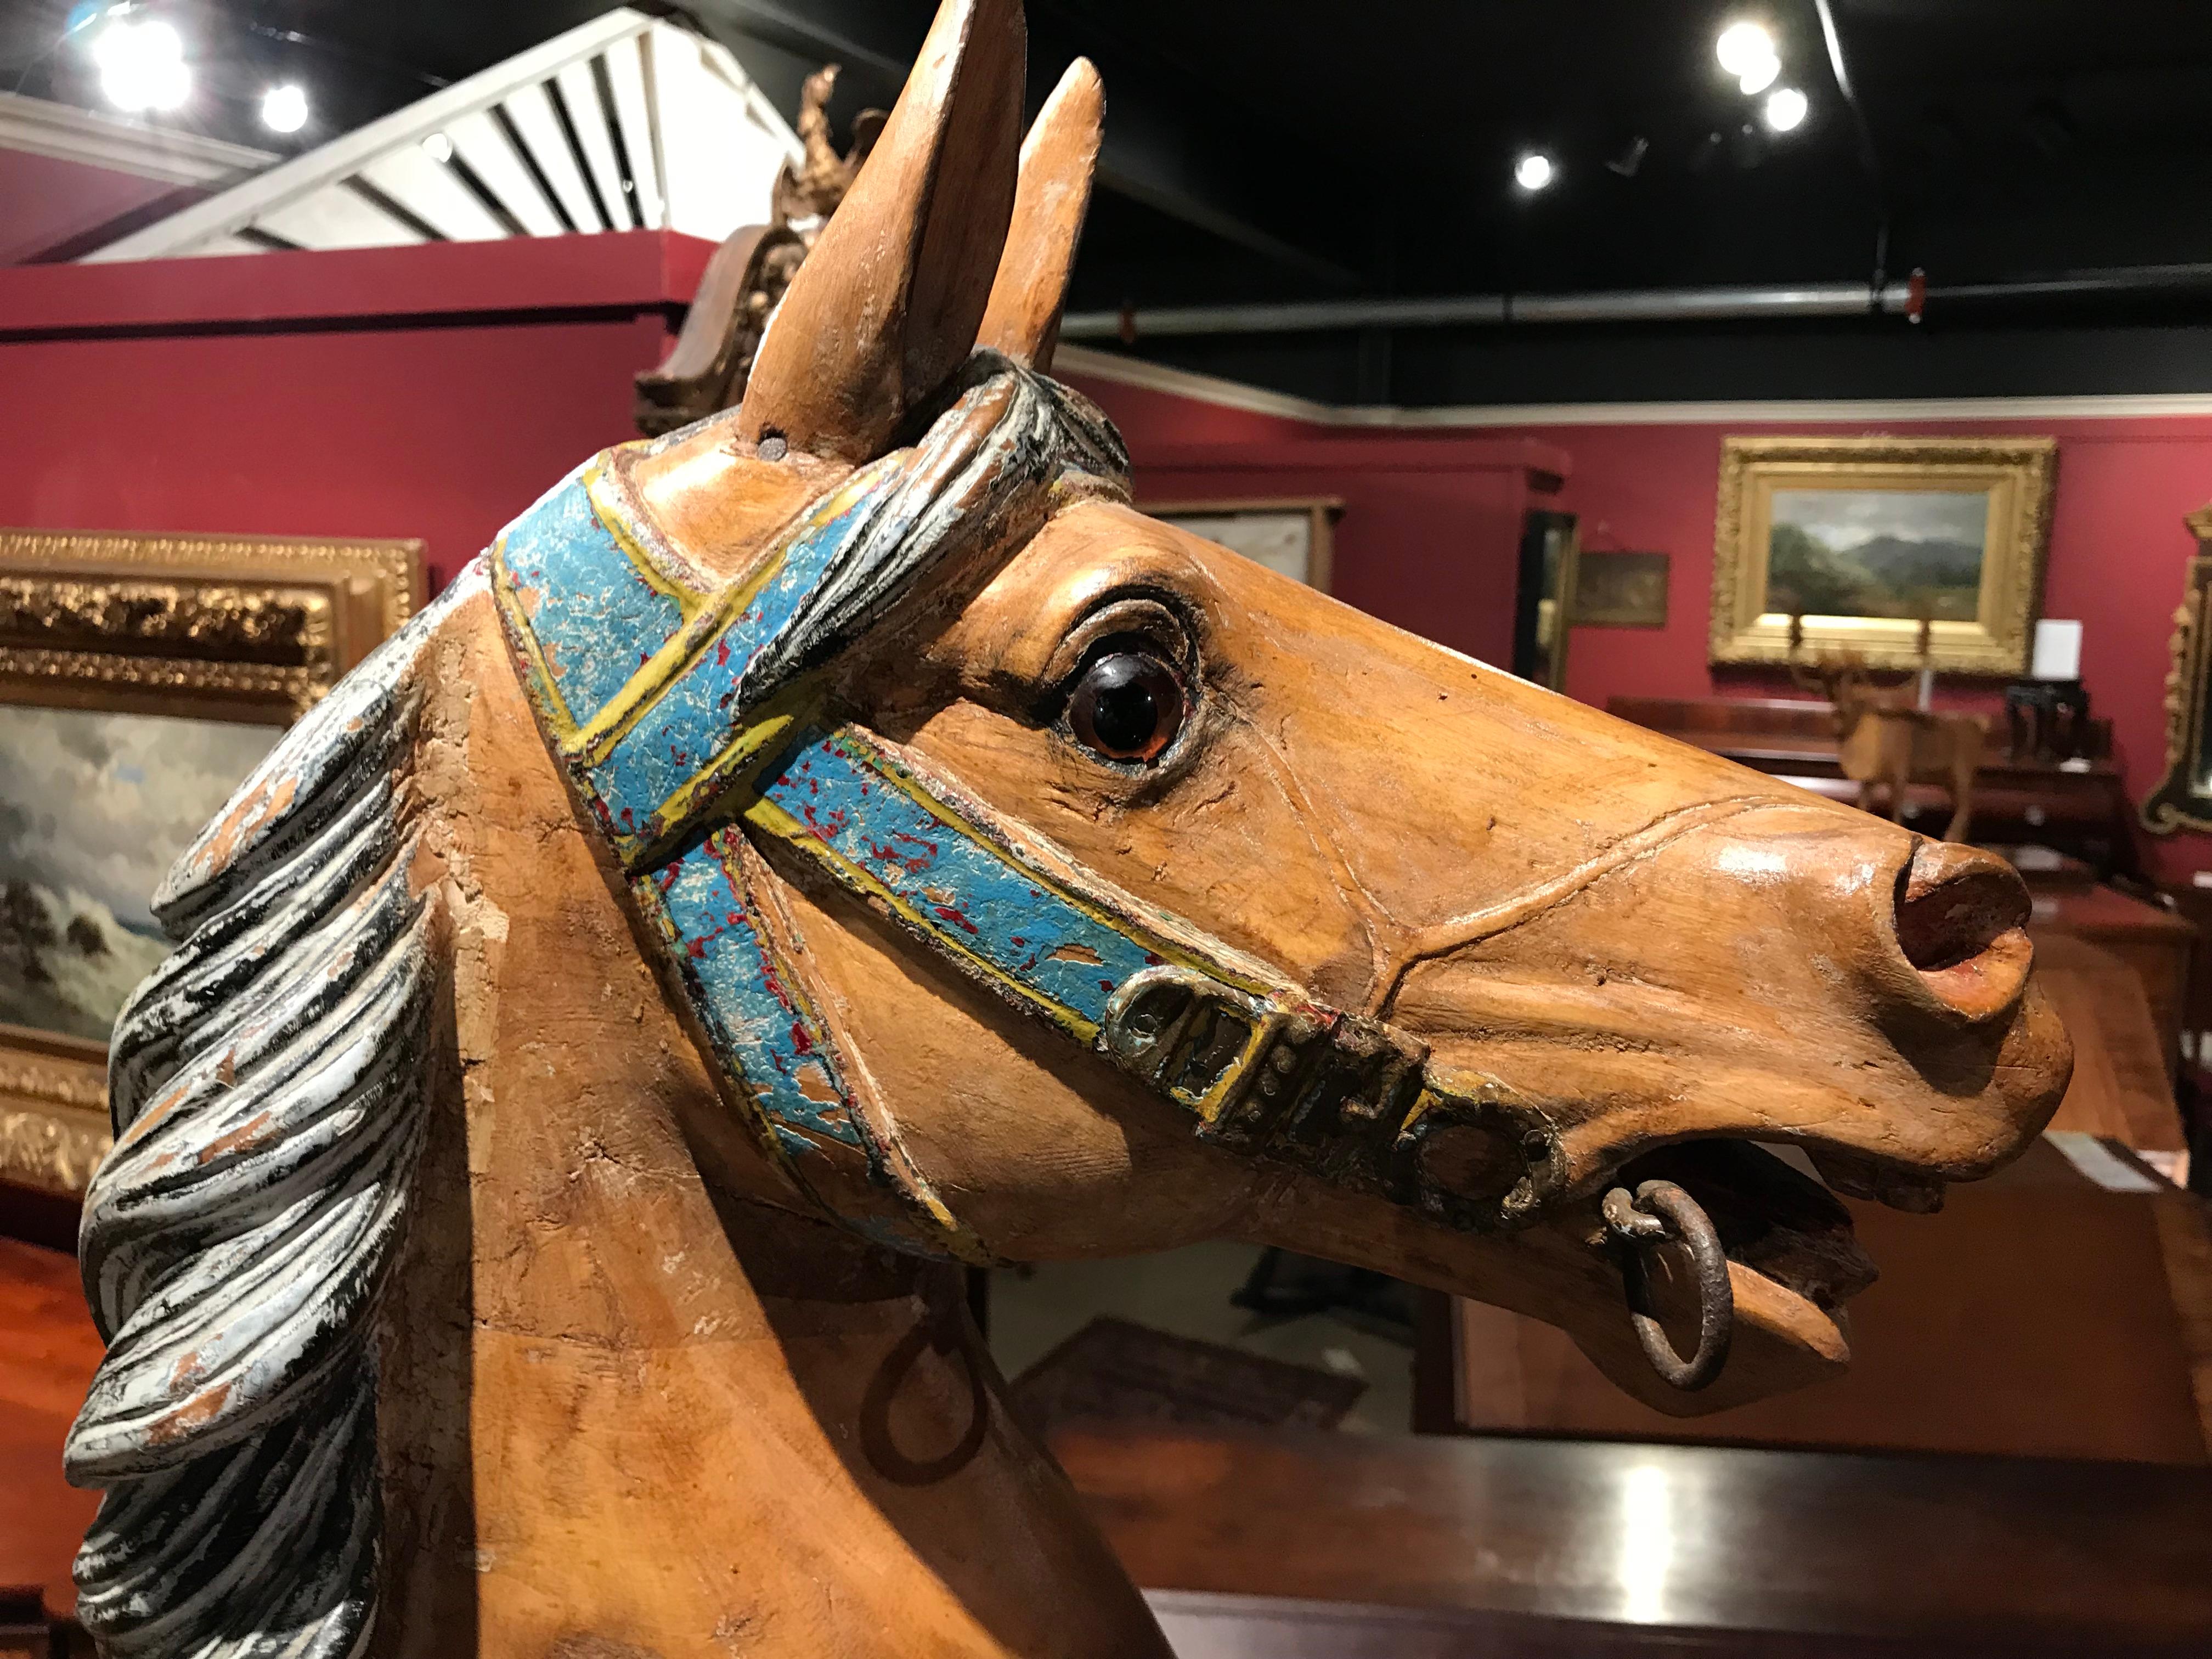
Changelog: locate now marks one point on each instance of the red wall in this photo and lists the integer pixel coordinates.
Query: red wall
(46, 201)
(1431, 535)
(424, 391)
(2118, 554)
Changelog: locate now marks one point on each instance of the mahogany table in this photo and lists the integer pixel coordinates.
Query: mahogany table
(1420, 1547)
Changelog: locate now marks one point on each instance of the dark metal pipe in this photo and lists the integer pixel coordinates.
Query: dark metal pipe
(1623, 306)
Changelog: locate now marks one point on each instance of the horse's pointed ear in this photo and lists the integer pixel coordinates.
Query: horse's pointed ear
(1057, 160)
(886, 307)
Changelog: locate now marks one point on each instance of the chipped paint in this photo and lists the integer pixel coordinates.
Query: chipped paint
(270, 1089)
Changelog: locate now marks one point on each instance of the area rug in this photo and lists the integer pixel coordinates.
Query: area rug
(1114, 1370)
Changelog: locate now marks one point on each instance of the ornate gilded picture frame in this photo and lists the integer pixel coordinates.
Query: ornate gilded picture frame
(1294, 536)
(1865, 537)
(2183, 799)
(140, 677)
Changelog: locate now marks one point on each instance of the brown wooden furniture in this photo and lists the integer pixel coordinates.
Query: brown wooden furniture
(2156, 944)
(2041, 1315)
(1284, 1545)
(2182, 800)
(47, 1351)
(2083, 811)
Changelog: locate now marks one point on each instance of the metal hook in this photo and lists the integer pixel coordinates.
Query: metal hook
(1661, 1213)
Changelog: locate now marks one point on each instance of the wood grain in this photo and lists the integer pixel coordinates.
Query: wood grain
(1796, 1552)
(886, 307)
(1058, 157)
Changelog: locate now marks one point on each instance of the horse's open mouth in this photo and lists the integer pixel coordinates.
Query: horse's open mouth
(1777, 1221)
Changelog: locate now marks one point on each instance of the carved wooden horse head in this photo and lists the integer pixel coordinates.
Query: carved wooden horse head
(843, 838)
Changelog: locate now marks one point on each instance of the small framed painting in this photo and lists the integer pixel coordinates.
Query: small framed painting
(1866, 538)
(141, 678)
(1621, 590)
(1295, 538)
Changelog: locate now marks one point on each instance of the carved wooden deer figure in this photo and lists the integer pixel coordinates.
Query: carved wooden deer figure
(844, 839)
(1883, 742)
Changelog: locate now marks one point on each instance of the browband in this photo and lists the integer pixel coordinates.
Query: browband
(715, 742)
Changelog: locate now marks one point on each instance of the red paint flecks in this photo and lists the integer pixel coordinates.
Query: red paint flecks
(698, 947)
(1151, 961)
(722, 651)
(948, 913)
(799, 1041)
(1106, 985)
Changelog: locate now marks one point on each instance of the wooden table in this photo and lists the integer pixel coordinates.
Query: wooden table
(1343, 1545)
(2121, 1085)
(2154, 944)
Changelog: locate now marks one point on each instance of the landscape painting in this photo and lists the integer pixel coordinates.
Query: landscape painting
(1903, 554)
(94, 807)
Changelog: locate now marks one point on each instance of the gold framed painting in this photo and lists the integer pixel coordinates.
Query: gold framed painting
(1296, 536)
(1866, 538)
(2183, 799)
(141, 679)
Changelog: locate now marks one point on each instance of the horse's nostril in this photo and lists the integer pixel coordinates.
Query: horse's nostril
(1960, 913)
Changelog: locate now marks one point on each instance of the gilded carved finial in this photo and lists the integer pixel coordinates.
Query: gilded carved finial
(807, 196)
(708, 367)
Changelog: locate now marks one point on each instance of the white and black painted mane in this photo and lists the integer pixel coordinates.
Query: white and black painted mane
(269, 1086)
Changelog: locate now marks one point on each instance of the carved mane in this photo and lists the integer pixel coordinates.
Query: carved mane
(269, 1086)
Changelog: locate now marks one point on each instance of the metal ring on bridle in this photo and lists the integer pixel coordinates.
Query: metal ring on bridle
(1661, 1213)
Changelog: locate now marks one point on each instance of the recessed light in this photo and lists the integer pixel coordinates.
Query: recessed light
(1785, 109)
(1533, 171)
(1742, 45)
(284, 109)
(142, 66)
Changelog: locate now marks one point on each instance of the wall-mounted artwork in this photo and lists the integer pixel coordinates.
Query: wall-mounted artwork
(1866, 538)
(2183, 799)
(141, 679)
(1621, 590)
(1294, 537)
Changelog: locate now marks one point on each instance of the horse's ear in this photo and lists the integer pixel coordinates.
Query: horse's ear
(1057, 160)
(886, 307)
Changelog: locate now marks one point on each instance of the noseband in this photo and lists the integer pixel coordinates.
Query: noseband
(692, 721)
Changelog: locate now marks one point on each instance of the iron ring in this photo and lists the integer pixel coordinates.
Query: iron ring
(1660, 1212)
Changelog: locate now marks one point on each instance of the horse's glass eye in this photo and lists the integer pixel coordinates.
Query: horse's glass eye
(1128, 706)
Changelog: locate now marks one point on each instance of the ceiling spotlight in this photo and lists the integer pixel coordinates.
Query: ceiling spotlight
(1785, 110)
(1743, 45)
(284, 109)
(1533, 171)
(1761, 74)
(142, 66)
(438, 147)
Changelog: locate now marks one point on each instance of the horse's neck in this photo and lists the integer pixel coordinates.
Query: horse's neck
(616, 1421)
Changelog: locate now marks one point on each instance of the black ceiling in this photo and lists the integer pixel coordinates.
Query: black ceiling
(1292, 149)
